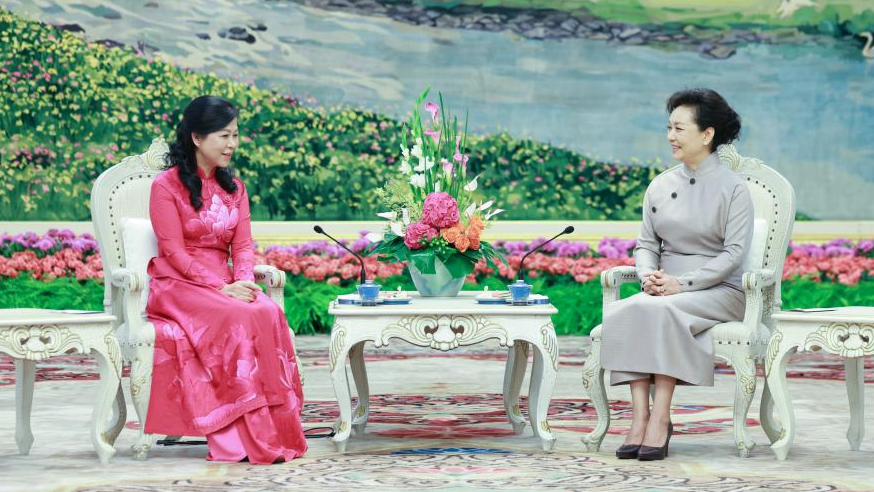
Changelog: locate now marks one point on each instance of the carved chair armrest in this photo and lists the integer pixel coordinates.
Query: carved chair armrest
(755, 282)
(132, 283)
(613, 278)
(274, 278)
(758, 279)
(128, 280)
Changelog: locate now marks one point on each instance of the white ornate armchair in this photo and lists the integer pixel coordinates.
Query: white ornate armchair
(741, 344)
(120, 213)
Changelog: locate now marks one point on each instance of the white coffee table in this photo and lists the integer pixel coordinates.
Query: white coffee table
(446, 323)
(848, 332)
(32, 335)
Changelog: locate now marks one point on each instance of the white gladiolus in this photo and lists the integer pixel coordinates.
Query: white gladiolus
(418, 180)
(472, 185)
(470, 210)
(405, 215)
(437, 186)
(406, 153)
(420, 168)
(405, 167)
(388, 215)
(417, 151)
(429, 163)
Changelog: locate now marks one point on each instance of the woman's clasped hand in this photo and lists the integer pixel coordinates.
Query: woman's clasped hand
(659, 283)
(242, 290)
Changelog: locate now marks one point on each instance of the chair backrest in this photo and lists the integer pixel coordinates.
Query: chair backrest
(774, 201)
(122, 192)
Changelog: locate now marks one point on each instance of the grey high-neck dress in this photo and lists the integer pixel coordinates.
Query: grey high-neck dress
(697, 226)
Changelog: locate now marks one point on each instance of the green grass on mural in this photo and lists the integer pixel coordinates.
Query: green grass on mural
(306, 301)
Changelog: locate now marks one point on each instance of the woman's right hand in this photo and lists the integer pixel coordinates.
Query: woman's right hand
(242, 290)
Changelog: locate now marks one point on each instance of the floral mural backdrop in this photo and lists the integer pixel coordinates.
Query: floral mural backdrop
(566, 121)
(565, 97)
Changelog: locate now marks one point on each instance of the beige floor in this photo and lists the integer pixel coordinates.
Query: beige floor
(62, 458)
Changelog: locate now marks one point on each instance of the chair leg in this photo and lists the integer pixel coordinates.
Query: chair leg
(593, 382)
(140, 388)
(766, 415)
(745, 389)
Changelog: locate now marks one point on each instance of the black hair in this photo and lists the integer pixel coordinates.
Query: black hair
(709, 110)
(203, 115)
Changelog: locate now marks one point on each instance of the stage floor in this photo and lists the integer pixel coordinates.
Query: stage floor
(437, 423)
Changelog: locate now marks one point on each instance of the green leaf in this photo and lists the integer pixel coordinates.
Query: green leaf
(459, 265)
(423, 261)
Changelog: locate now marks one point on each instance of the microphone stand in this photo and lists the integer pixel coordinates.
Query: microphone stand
(521, 274)
(321, 231)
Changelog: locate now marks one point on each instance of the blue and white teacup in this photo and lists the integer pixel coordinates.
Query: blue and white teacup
(368, 292)
(519, 292)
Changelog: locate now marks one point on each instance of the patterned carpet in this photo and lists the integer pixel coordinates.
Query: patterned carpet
(437, 423)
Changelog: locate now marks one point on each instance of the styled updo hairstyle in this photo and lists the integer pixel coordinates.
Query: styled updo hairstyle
(202, 116)
(710, 110)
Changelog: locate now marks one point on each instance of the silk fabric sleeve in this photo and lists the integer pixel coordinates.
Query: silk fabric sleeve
(167, 224)
(648, 249)
(242, 246)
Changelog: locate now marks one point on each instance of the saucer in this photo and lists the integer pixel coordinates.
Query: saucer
(355, 299)
(503, 298)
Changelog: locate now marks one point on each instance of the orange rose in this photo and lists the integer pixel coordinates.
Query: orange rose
(474, 242)
(451, 234)
(477, 223)
(462, 243)
(473, 235)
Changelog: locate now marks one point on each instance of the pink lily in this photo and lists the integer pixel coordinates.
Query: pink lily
(447, 167)
(434, 134)
(460, 158)
(433, 109)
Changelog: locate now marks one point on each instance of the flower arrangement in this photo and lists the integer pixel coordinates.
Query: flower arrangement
(435, 216)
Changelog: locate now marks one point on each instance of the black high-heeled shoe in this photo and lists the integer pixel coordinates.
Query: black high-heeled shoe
(627, 451)
(649, 453)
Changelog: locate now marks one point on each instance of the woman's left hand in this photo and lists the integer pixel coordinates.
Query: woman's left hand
(665, 285)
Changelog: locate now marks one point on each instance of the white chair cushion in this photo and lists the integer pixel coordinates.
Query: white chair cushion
(756, 255)
(140, 246)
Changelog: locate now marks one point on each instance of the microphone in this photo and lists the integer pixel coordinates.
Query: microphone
(567, 230)
(321, 231)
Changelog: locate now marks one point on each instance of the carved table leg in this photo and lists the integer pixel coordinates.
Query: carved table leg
(339, 351)
(775, 371)
(109, 364)
(542, 382)
(514, 373)
(25, 371)
(855, 377)
(359, 374)
(593, 382)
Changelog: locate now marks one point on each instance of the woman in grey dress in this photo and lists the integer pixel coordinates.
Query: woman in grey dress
(696, 230)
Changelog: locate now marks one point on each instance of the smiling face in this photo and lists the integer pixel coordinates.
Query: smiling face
(216, 149)
(689, 144)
